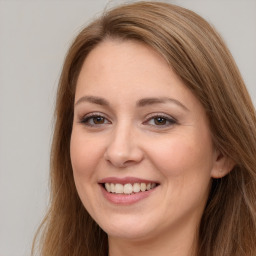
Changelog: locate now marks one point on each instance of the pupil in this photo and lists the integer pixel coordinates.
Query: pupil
(160, 120)
(98, 120)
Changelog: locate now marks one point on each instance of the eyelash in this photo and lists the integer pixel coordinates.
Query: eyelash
(90, 117)
(168, 121)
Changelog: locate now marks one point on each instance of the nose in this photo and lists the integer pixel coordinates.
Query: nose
(123, 149)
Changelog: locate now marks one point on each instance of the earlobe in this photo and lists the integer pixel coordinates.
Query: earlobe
(222, 165)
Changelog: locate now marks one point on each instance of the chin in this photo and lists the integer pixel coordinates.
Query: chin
(128, 229)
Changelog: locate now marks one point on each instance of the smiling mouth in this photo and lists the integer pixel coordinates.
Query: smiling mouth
(129, 188)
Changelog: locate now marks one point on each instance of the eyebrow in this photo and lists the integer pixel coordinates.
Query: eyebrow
(140, 103)
(151, 101)
(93, 99)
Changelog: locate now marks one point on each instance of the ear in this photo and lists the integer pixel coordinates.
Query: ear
(222, 165)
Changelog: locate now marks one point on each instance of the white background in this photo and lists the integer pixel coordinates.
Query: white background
(34, 37)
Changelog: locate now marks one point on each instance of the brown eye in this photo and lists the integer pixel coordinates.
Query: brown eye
(94, 120)
(98, 120)
(160, 120)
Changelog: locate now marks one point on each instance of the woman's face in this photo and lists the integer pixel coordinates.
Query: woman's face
(138, 128)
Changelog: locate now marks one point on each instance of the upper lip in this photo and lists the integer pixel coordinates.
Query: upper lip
(126, 180)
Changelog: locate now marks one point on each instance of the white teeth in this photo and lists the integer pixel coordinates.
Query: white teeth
(119, 189)
(108, 187)
(143, 187)
(112, 188)
(128, 188)
(136, 187)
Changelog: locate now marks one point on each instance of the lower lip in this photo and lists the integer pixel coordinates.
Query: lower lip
(123, 199)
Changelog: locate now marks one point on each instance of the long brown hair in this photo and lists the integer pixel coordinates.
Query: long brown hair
(199, 56)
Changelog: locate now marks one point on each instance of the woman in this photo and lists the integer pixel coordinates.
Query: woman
(155, 141)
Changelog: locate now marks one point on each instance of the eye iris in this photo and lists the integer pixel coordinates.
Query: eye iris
(98, 120)
(160, 121)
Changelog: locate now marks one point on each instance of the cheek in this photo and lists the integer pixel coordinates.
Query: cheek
(181, 156)
(84, 153)
(186, 169)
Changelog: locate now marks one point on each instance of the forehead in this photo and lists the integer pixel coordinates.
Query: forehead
(111, 53)
(120, 62)
(125, 70)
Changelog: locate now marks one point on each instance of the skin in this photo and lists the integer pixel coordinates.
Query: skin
(127, 141)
